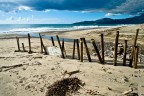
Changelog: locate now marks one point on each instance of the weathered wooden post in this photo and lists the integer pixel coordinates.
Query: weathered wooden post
(45, 50)
(18, 44)
(29, 41)
(116, 48)
(23, 47)
(102, 48)
(78, 50)
(136, 52)
(125, 53)
(73, 56)
(81, 43)
(43, 46)
(52, 41)
(132, 52)
(97, 51)
(87, 50)
(60, 46)
(41, 43)
(63, 47)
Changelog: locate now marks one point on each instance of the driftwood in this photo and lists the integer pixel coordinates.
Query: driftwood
(6, 68)
(72, 72)
(128, 92)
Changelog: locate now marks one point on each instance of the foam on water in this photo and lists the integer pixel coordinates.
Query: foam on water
(31, 28)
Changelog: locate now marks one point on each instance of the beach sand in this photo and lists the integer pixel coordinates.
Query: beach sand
(31, 74)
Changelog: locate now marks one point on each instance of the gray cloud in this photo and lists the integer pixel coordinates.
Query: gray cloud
(130, 7)
(111, 6)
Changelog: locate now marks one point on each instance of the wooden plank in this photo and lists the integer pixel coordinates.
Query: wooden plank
(87, 50)
(132, 52)
(78, 50)
(97, 51)
(116, 48)
(60, 46)
(73, 56)
(102, 48)
(125, 53)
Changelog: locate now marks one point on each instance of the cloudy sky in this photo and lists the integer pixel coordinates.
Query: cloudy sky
(66, 11)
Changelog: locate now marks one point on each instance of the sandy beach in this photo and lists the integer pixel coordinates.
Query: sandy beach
(23, 74)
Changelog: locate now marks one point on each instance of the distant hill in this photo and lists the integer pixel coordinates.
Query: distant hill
(132, 20)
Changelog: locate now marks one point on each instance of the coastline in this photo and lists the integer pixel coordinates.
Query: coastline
(38, 71)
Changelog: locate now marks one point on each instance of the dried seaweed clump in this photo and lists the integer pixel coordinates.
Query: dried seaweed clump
(64, 87)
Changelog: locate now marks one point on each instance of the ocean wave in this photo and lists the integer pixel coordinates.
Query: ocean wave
(52, 28)
(84, 27)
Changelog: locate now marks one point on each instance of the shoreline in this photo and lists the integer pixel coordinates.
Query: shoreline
(66, 30)
(126, 32)
(10, 36)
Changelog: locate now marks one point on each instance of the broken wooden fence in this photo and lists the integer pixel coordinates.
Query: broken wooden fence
(83, 43)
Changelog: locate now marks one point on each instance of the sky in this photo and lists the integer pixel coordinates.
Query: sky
(66, 11)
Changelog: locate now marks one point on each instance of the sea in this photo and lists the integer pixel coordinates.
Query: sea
(36, 28)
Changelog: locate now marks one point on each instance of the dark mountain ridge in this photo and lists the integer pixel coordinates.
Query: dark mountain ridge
(132, 20)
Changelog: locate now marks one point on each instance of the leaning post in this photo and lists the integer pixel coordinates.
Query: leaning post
(87, 50)
(41, 43)
(97, 51)
(102, 48)
(52, 41)
(60, 46)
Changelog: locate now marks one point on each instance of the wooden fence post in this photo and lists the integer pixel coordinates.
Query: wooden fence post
(116, 48)
(73, 56)
(97, 51)
(78, 50)
(41, 43)
(29, 41)
(43, 46)
(60, 46)
(136, 52)
(63, 47)
(102, 48)
(81, 42)
(132, 52)
(87, 50)
(125, 53)
(23, 47)
(18, 44)
(52, 41)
